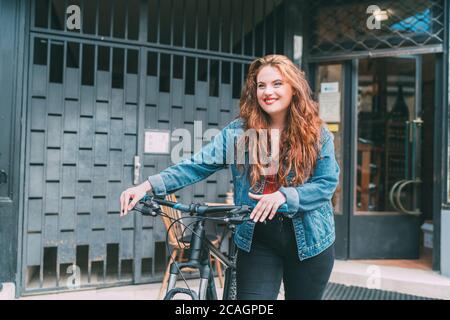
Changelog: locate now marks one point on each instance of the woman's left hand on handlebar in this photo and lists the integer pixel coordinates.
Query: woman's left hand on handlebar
(134, 193)
(267, 206)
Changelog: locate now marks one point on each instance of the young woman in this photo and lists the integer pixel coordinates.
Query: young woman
(297, 246)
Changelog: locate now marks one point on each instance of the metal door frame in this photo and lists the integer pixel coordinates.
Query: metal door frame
(342, 220)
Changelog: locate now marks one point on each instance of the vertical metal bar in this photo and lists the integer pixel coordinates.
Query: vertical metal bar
(33, 14)
(184, 25)
(89, 269)
(243, 66)
(221, 17)
(26, 137)
(232, 78)
(119, 265)
(231, 27)
(57, 270)
(264, 28)
(171, 57)
(125, 35)
(142, 67)
(442, 94)
(111, 26)
(97, 16)
(418, 88)
(406, 146)
(143, 22)
(253, 28)
(208, 25)
(158, 22)
(64, 85)
(196, 63)
(104, 267)
(172, 20)
(142, 76)
(416, 142)
(352, 136)
(208, 72)
(242, 29)
(196, 25)
(49, 16)
(64, 16)
(41, 275)
(274, 28)
(219, 81)
(95, 73)
(81, 5)
(64, 64)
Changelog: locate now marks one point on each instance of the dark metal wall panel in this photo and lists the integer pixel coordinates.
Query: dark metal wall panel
(81, 146)
(86, 101)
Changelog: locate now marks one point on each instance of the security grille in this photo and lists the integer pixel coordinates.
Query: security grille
(340, 27)
(133, 65)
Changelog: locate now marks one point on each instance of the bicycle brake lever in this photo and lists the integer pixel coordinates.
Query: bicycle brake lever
(236, 220)
(239, 215)
(144, 210)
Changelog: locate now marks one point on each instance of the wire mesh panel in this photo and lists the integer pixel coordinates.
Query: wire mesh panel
(172, 63)
(344, 27)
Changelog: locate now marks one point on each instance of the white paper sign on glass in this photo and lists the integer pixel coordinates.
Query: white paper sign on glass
(329, 87)
(157, 141)
(330, 106)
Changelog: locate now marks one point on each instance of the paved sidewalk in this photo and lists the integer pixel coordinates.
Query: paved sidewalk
(424, 283)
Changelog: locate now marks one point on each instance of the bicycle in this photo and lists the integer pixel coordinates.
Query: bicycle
(200, 246)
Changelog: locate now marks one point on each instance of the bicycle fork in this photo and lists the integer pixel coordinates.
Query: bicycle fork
(199, 259)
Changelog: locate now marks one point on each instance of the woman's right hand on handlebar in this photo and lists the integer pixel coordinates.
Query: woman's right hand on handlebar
(134, 193)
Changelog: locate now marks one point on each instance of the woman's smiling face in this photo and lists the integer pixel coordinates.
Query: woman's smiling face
(274, 93)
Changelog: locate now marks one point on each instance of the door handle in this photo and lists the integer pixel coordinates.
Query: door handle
(3, 177)
(398, 193)
(137, 169)
(395, 193)
(392, 194)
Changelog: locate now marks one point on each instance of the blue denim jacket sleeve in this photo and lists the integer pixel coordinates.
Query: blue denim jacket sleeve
(210, 159)
(320, 187)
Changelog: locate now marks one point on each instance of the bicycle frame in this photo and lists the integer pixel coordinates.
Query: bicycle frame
(201, 247)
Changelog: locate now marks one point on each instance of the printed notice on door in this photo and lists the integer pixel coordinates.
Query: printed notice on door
(330, 102)
(157, 142)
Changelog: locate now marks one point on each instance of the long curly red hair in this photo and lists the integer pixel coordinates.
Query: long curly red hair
(302, 129)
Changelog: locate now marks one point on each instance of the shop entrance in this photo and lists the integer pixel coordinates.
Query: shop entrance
(383, 128)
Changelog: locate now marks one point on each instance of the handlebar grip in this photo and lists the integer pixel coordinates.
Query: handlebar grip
(182, 207)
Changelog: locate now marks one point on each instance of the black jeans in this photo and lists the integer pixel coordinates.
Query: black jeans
(273, 256)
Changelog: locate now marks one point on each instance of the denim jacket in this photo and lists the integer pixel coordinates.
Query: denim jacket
(308, 205)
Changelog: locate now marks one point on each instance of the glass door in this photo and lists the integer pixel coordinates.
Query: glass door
(384, 221)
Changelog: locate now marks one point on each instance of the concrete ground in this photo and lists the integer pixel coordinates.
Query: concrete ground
(418, 282)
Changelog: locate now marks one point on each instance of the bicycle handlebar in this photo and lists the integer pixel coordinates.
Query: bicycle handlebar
(151, 206)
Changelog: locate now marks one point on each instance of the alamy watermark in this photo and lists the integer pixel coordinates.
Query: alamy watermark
(374, 279)
(74, 281)
(229, 146)
(376, 17)
(73, 21)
